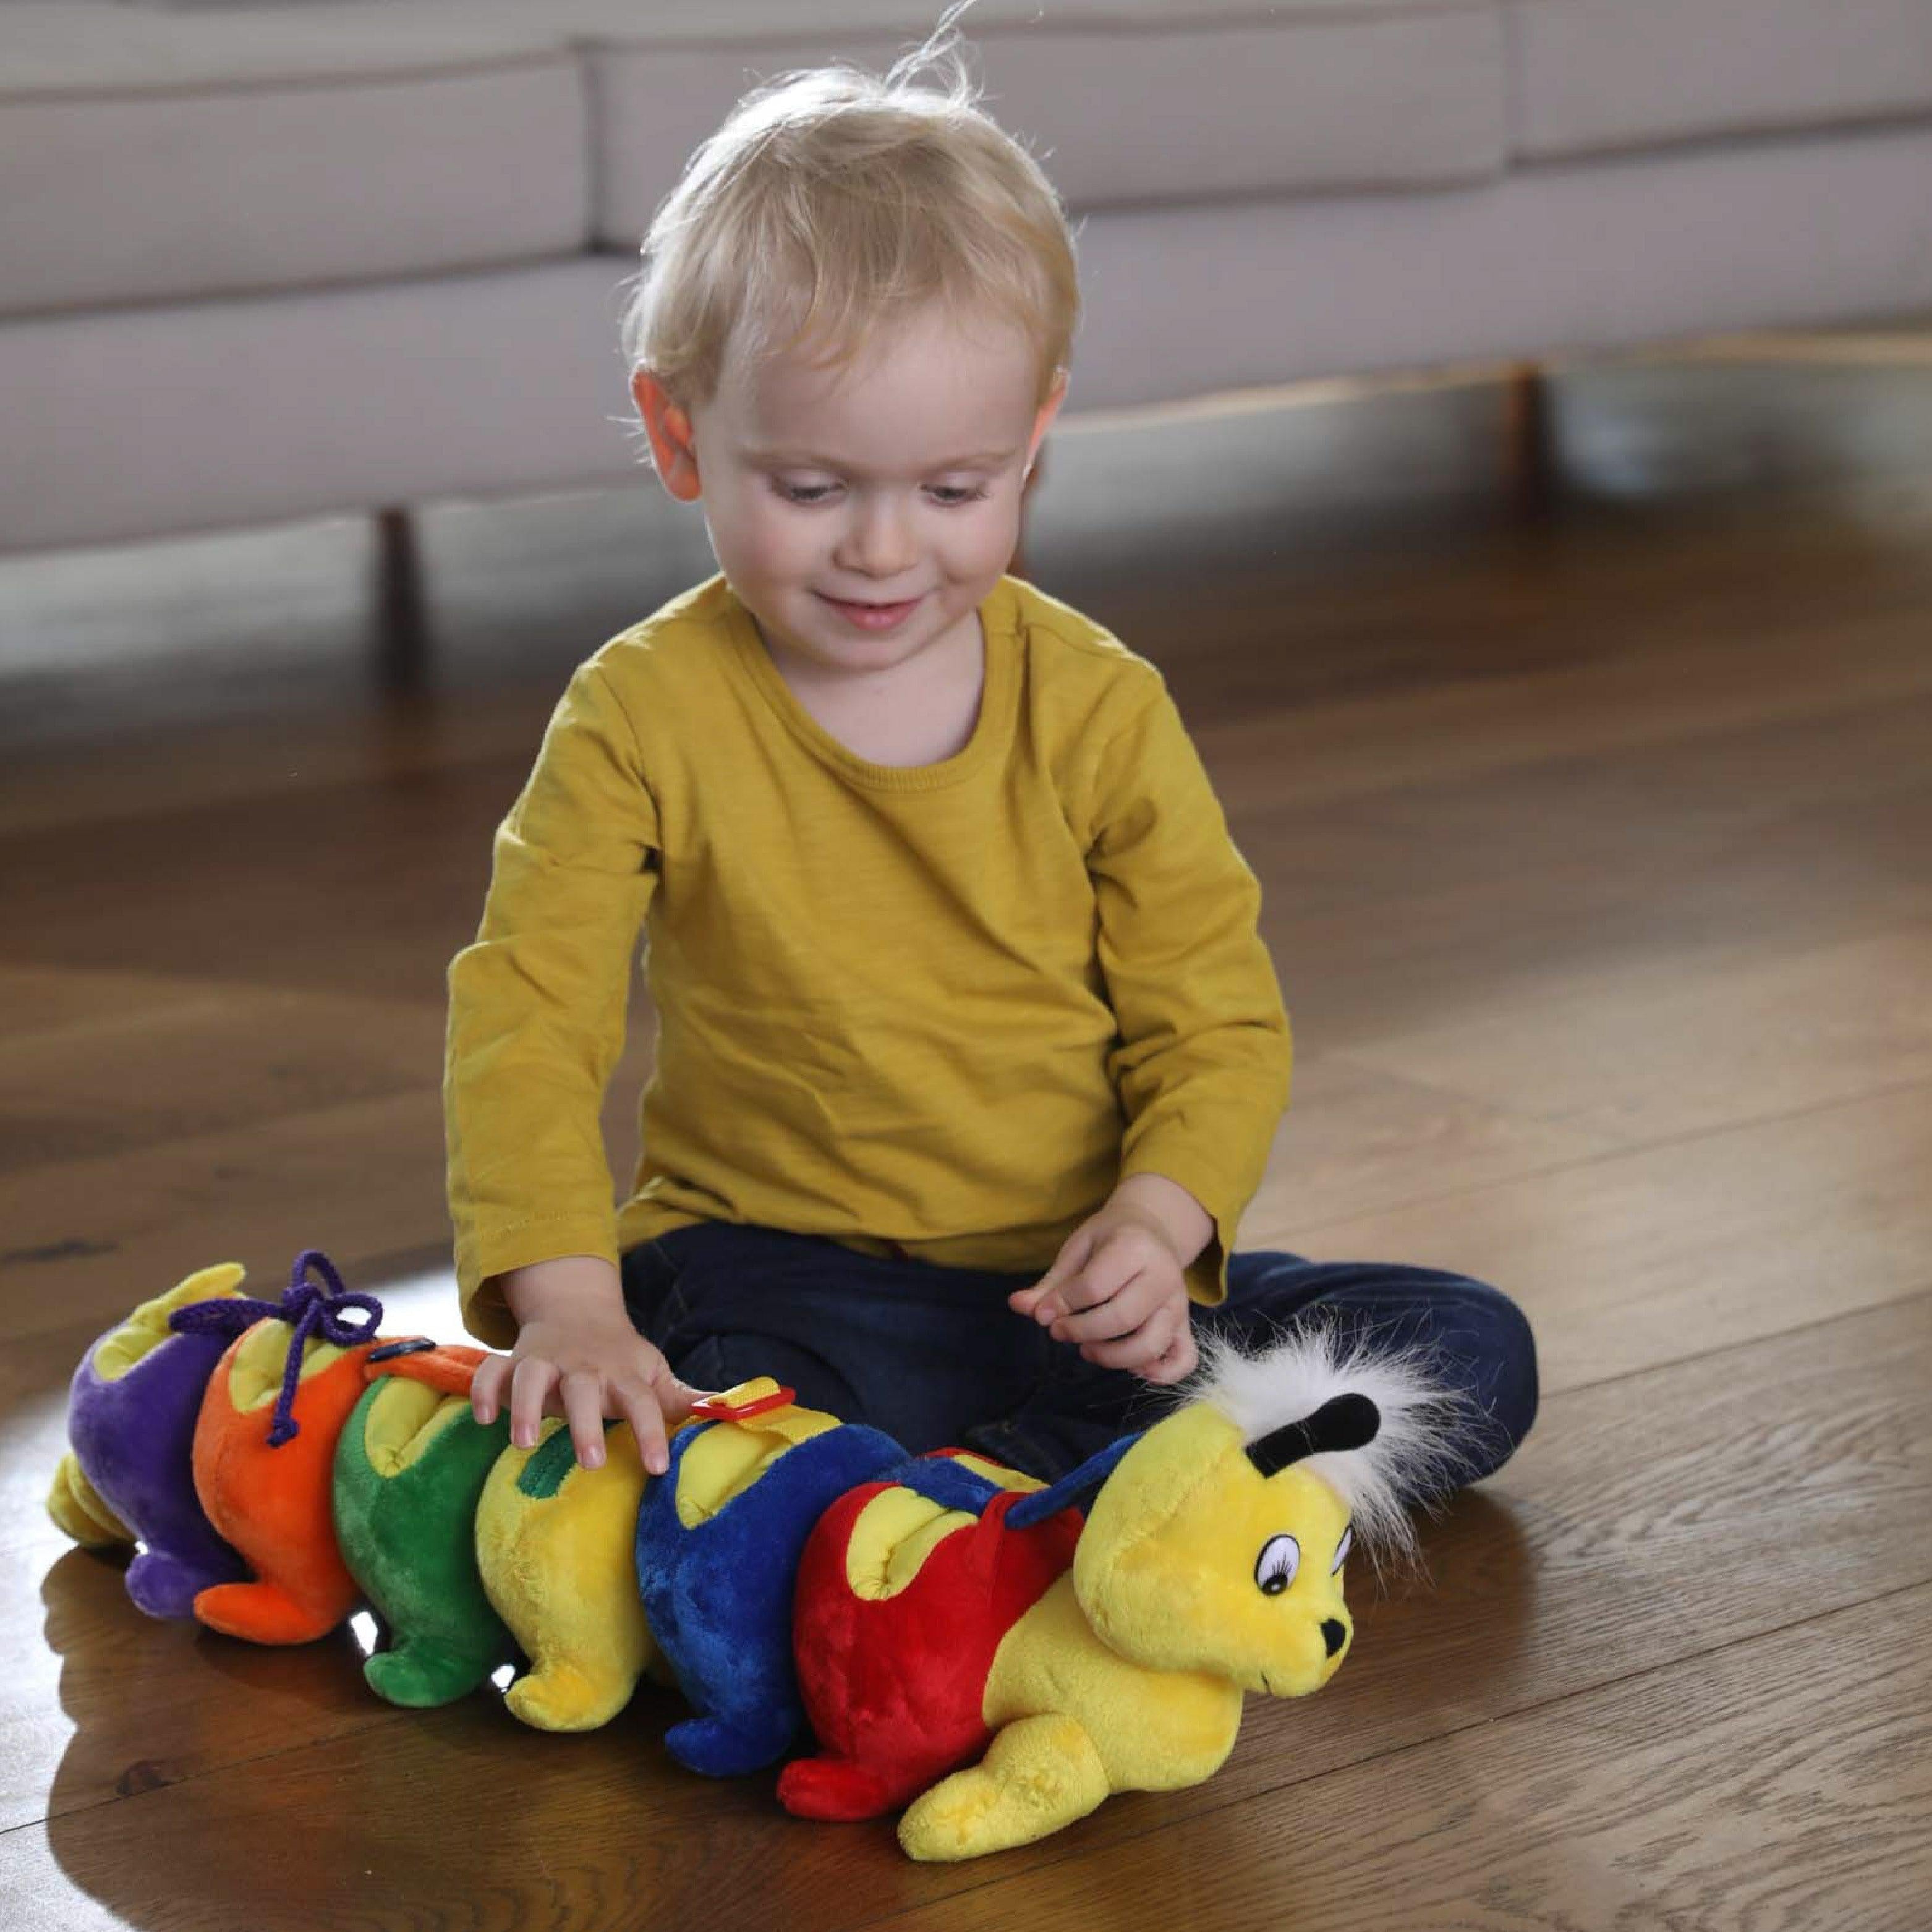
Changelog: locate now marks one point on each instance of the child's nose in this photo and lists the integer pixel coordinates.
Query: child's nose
(878, 539)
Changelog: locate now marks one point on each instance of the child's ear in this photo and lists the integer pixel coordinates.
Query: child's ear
(1049, 410)
(669, 428)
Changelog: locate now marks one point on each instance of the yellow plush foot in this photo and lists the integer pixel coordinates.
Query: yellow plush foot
(75, 1503)
(562, 1697)
(1040, 1773)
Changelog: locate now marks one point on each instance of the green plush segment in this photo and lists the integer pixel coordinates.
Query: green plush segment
(550, 1462)
(410, 1541)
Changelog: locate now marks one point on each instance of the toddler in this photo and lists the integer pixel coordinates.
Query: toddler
(970, 1052)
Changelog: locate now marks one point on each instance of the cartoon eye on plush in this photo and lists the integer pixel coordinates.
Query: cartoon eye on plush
(1341, 1549)
(1275, 1568)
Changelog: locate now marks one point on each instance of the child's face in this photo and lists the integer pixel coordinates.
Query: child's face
(896, 482)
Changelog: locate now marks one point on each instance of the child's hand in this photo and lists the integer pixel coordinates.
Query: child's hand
(1118, 1287)
(577, 1356)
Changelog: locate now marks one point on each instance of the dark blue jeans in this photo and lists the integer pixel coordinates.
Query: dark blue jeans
(934, 1356)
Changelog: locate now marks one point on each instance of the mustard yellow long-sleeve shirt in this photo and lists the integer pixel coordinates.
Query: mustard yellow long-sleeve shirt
(939, 1010)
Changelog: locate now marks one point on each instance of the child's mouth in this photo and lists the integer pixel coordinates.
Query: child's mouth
(874, 616)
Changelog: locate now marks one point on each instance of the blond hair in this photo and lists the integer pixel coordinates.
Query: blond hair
(833, 200)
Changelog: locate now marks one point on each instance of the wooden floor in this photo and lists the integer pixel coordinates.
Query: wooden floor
(1597, 860)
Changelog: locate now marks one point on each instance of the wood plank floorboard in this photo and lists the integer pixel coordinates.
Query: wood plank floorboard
(1793, 1032)
(1683, 798)
(1647, 1256)
(1462, 954)
(1596, 862)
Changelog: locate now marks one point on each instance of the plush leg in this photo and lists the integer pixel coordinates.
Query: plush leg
(1039, 1773)
(721, 1749)
(557, 1696)
(265, 1613)
(835, 1787)
(166, 1586)
(423, 1675)
(75, 1505)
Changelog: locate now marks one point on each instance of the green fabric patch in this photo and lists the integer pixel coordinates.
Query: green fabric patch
(543, 1475)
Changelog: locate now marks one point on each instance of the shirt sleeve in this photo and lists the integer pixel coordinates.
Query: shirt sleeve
(537, 1005)
(1202, 1060)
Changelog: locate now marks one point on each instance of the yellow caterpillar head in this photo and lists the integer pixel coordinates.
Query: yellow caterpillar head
(1219, 1543)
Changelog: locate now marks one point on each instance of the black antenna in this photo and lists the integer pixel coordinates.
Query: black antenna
(1343, 1422)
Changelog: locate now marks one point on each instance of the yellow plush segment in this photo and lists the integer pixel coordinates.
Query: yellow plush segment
(730, 1456)
(1165, 1568)
(1039, 1773)
(895, 1533)
(1154, 1730)
(998, 1472)
(255, 1378)
(562, 1571)
(405, 1418)
(147, 1328)
(75, 1505)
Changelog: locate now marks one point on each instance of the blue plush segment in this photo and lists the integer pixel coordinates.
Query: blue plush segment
(948, 1484)
(718, 1596)
(1071, 1489)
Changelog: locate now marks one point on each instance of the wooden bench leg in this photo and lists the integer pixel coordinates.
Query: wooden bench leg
(401, 614)
(1529, 455)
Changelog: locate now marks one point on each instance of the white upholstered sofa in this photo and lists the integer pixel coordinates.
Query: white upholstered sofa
(260, 262)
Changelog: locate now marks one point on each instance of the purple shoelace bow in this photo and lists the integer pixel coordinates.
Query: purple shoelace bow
(312, 1310)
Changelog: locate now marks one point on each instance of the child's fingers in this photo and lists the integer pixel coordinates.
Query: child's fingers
(1138, 1351)
(1113, 1264)
(1033, 1300)
(1122, 1313)
(1178, 1361)
(530, 1383)
(486, 1386)
(1077, 1286)
(1118, 1256)
(582, 1395)
(1072, 1257)
(675, 1400)
(1182, 1359)
(642, 1411)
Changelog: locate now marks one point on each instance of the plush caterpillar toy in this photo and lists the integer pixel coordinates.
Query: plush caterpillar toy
(996, 1655)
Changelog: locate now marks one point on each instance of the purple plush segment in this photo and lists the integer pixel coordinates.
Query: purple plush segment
(134, 1439)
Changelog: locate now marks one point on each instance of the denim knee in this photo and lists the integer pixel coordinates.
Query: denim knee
(1500, 1347)
(1477, 1340)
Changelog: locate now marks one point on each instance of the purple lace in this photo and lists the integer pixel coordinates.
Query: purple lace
(313, 1310)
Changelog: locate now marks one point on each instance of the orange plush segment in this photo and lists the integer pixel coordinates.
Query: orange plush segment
(275, 1505)
(449, 1369)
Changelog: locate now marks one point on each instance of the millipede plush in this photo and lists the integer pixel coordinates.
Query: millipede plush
(994, 1655)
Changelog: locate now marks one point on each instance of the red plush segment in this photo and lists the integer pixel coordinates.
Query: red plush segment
(895, 1687)
(276, 1505)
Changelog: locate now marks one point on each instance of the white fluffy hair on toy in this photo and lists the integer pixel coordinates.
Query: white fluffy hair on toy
(1426, 1425)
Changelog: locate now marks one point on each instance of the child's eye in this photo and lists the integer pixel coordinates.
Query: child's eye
(947, 496)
